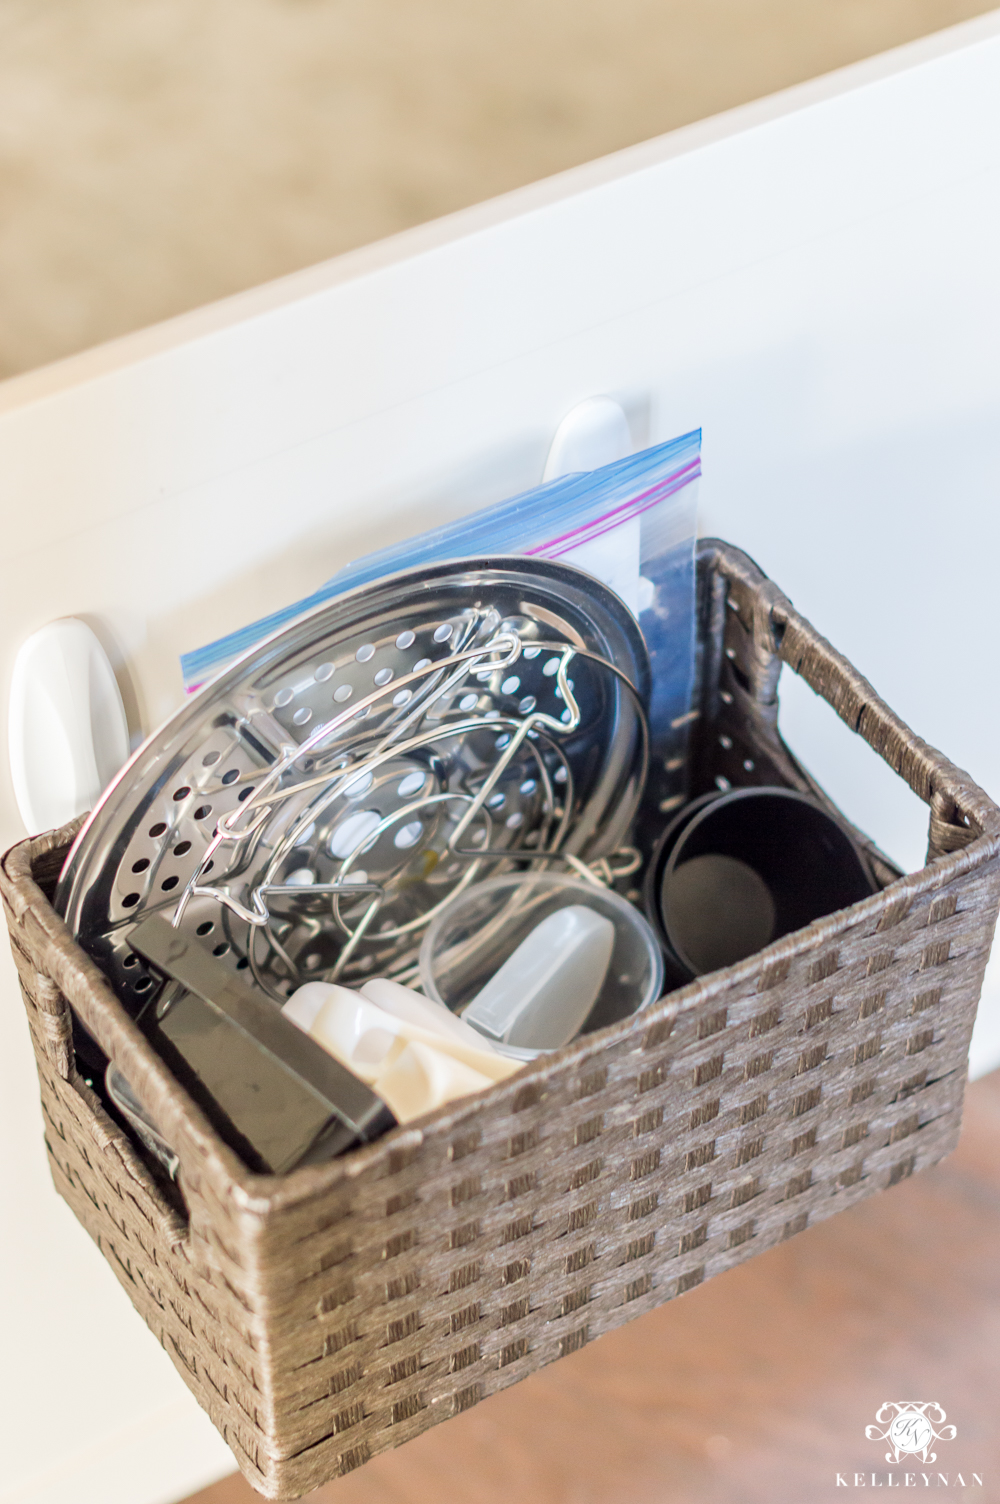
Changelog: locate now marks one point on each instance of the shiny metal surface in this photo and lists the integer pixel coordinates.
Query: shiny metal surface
(139, 1121)
(308, 811)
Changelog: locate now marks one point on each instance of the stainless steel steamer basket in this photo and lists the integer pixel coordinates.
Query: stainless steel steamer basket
(308, 811)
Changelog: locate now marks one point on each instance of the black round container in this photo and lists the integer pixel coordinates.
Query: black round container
(734, 871)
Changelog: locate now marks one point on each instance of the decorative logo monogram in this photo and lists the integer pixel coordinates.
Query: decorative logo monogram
(910, 1431)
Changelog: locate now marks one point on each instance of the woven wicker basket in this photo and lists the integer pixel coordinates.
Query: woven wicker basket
(338, 1311)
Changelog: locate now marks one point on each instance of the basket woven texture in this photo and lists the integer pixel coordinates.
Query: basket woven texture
(333, 1313)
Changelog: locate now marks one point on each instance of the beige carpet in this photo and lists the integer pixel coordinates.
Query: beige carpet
(157, 154)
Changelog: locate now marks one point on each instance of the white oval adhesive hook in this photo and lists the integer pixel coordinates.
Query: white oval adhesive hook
(592, 434)
(68, 734)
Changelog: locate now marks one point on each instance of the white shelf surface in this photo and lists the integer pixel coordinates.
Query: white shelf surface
(812, 279)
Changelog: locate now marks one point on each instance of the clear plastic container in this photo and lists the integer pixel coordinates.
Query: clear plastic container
(479, 930)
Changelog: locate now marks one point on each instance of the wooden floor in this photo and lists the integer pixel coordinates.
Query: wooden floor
(757, 1387)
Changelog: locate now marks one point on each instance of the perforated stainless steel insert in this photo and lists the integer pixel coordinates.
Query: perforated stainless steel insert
(309, 810)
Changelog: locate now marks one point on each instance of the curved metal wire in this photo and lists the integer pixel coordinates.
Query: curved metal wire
(411, 731)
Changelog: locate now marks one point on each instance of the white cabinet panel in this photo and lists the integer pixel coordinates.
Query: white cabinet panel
(811, 279)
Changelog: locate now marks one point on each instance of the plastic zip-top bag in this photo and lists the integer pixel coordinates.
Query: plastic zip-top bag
(631, 524)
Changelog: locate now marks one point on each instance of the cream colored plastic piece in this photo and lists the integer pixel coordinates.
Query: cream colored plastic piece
(421, 1078)
(306, 1002)
(422, 1011)
(411, 1067)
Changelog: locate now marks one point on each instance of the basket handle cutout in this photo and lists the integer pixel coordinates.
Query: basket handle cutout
(768, 632)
